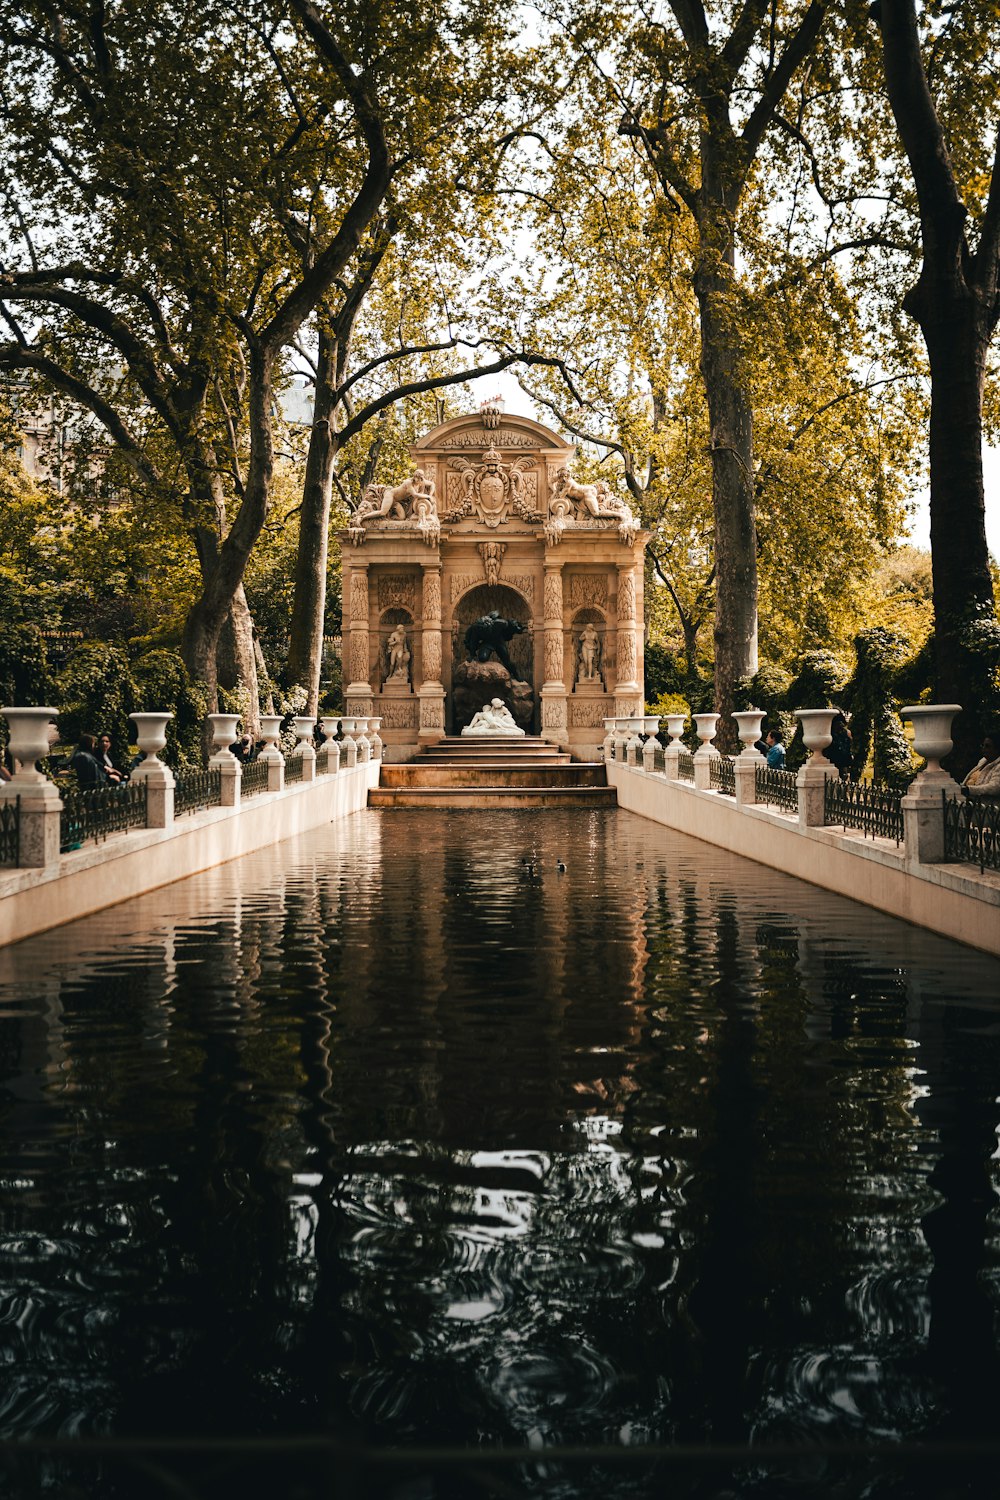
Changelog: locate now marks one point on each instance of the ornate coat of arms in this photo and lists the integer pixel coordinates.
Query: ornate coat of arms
(492, 489)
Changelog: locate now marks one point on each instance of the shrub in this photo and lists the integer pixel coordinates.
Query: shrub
(96, 694)
(25, 680)
(162, 682)
(875, 724)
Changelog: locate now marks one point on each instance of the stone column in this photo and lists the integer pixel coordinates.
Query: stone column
(431, 690)
(554, 691)
(358, 692)
(627, 697)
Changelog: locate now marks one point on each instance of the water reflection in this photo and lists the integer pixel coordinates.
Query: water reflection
(399, 1131)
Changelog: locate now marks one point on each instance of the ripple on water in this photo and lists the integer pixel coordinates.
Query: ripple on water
(373, 1127)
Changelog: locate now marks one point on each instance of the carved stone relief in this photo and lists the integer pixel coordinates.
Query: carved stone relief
(396, 591)
(359, 656)
(553, 713)
(359, 597)
(492, 556)
(461, 583)
(432, 713)
(398, 715)
(626, 656)
(588, 589)
(432, 657)
(626, 594)
(504, 438)
(553, 595)
(432, 595)
(588, 715)
(553, 657)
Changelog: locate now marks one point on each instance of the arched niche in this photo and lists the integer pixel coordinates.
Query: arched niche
(389, 621)
(508, 603)
(595, 617)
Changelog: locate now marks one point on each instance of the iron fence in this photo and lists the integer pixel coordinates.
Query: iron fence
(10, 831)
(722, 775)
(971, 833)
(293, 768)
(94, 812)
(197, 789)
(866, 805)
(685, 766)
(254, 778)
(776, 788)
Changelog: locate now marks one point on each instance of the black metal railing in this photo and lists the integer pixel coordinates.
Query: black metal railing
(254, 778)
(293, 768)
(197, 789)
(971, 833)
(776, 788)
(722, 775)
(685, 766)
(10, 831)
(94, 812)
(866, 805)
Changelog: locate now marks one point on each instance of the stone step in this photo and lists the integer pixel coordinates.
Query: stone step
(493, 773)
(470, 797)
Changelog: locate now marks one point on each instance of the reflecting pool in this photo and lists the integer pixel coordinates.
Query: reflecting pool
(402, 1133)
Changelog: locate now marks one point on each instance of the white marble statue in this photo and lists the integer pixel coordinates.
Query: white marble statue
(493, 718)
(398, 649)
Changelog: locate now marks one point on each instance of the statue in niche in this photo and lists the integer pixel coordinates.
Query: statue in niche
(493, 718)
(488, 636)
(397, 649)
(588, 648)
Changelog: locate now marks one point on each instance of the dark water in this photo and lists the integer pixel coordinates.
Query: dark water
(384, 1134)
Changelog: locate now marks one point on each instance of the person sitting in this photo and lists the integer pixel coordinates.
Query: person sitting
(243, 749)
(983, 782)
(104, 758)
(775, 750)
(841, 749)
(89, 771)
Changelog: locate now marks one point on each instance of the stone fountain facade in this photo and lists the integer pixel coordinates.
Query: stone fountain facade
(492, 519)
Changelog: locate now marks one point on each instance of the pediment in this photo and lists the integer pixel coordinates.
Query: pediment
(512, 432)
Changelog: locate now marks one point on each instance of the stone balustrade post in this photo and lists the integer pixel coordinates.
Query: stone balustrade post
(608, 748)
(672, 760)
(649, 754)
(812, 778)
(749, 723)
(922, 807)
(223, 735)
(41, 805)
(349, 749)
(151, 737)
(270, 729)
(305, 750)
(706, 726)
(330, 750)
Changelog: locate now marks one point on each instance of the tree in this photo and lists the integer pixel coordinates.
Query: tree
(956, 303)
(699, 95)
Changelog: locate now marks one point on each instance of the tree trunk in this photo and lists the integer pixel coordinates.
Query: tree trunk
(963, 587)
(731, 437)
(305, 649)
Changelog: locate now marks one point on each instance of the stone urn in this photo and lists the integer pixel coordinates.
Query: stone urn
(706, 727)
(29, 740)
(748, 724)
(651, 724)
(224, 732)
(816, 732)
(151, 737)
(932, 735)
(621, 737)
(633, 745)
(675, 729)
(270, 733)
(305, 728)
(374, 725)
(609, 739)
